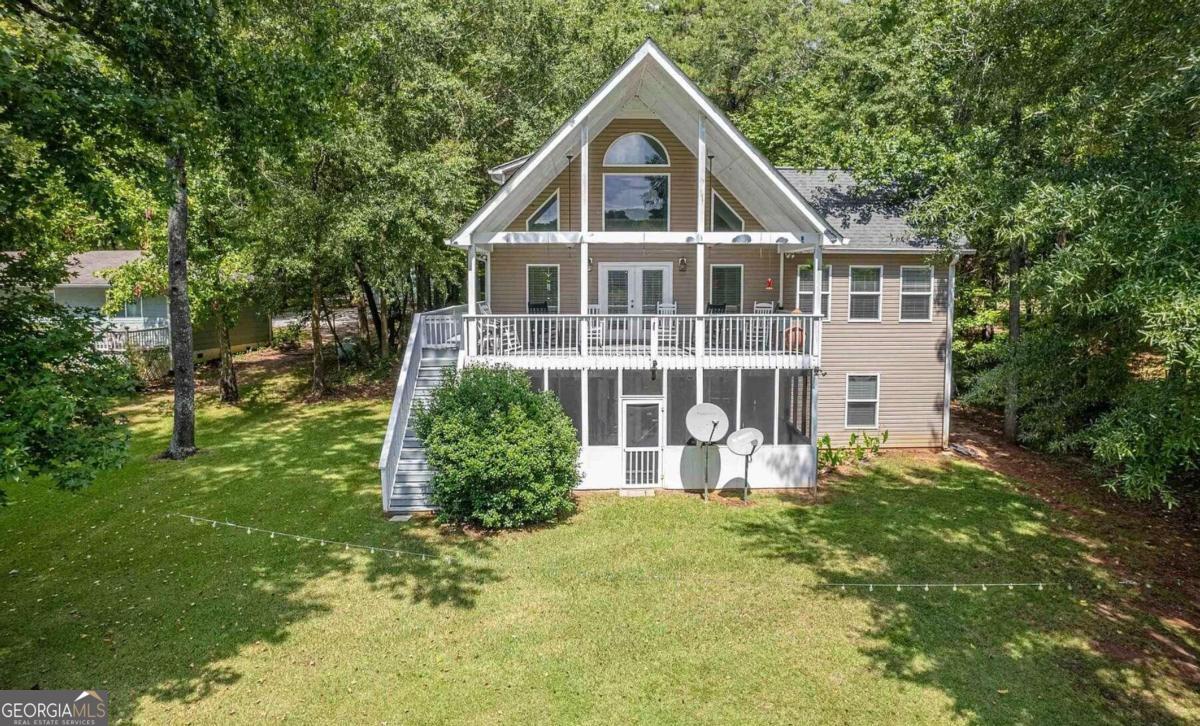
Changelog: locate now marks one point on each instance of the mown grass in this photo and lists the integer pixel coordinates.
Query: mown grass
(660, 610)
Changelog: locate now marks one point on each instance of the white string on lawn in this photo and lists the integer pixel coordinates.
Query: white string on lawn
(868, 586)
(375, 549)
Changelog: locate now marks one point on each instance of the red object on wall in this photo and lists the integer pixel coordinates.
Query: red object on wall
(770, 283)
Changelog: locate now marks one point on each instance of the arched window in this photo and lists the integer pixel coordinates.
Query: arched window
(636, 150)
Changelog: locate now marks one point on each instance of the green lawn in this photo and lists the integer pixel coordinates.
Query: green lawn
(654, 610)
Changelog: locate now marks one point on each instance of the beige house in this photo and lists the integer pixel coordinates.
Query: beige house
(647, 257)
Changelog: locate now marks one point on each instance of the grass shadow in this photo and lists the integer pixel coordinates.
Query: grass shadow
(110, 590)
(1003, 657)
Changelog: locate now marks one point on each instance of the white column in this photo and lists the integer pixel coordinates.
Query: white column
(701, 273)
(815, 347)
(583, 245)
(949, 383)
(472, 293)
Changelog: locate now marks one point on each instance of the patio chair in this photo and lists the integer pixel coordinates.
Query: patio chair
(595, 326)
(668, 329)
(760, 333)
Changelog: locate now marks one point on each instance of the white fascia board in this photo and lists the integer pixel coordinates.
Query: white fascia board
(462, 237)
(726, 127)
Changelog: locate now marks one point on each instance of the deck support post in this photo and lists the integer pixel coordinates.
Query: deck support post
(701, 274)
(468, 330)
(583, 245)
(814, 347)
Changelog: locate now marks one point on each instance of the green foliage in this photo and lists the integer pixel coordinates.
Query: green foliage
(149, 365)
(55, 389)
(288, 337)
(860, 447)
(503, 455)
(1149, 436)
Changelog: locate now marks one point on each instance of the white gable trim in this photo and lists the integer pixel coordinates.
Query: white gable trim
(463, 237)
(648, 49)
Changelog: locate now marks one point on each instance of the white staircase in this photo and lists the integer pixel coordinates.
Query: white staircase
(433, 348)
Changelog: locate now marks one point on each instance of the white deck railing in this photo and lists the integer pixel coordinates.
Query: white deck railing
(122, 341)
(763, 339)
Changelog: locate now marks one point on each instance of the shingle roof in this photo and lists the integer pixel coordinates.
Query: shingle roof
(867, 219)
(86, 267)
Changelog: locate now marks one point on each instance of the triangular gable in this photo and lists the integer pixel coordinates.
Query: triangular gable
(650, 76)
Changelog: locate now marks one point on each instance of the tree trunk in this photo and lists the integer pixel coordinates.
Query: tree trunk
(364, 328)
(319, 386)
(183, 431)
(370, 296)
(385, 329)
(337, 341)
(1015, 260)
(227, 374)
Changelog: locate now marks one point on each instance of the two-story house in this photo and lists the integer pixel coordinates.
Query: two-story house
(648, 257)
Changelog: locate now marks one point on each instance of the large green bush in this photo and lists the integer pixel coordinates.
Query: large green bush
(503, 456)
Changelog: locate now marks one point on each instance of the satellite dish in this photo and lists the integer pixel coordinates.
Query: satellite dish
(743, 442)
(706, 422)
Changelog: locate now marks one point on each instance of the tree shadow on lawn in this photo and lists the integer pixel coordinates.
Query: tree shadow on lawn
(1002, 656)
(115, 592)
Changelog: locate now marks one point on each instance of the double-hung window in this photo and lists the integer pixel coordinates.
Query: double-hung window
(725, 286)
(862, 401)
(805, 291)
(916, 294)
(541, 286)
(866, 293)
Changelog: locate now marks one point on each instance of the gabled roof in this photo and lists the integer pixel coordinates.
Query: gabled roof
(85, 267)
(650, 76)
(871, 219)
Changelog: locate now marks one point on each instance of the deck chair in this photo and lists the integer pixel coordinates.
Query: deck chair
(668, 328)
(759, 333)
(595, 326)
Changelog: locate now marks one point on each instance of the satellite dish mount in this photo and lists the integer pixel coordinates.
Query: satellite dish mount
(707, 424)
(744, 442)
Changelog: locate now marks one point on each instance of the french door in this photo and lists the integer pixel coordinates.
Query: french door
(634, 289)
(642, 437)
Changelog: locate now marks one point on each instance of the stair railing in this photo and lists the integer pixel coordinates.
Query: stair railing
(406, 384)
(439, 325)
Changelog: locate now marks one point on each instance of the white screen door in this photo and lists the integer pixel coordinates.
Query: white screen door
(642, 437)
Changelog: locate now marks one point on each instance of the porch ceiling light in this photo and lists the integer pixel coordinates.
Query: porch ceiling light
(743, 239)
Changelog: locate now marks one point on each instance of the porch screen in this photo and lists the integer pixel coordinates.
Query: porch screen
(720, 388)
(794, 407)
(725, 284)
(567, 385)
(541, 285)
(758, 402)
(602, 408)
(681, 395)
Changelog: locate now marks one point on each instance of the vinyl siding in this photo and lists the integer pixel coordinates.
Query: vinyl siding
(682, 192)
(909, 357)
(253, 328)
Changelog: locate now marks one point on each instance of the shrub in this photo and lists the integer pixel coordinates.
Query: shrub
(288, 337)
(503, 456)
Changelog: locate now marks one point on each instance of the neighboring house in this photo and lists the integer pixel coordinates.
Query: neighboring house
(87, 288)
(634, 282)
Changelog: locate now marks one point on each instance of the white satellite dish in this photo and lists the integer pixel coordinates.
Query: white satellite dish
(744, 442)
(706, 422)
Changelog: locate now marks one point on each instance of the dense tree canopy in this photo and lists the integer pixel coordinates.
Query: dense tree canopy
(332, 146)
